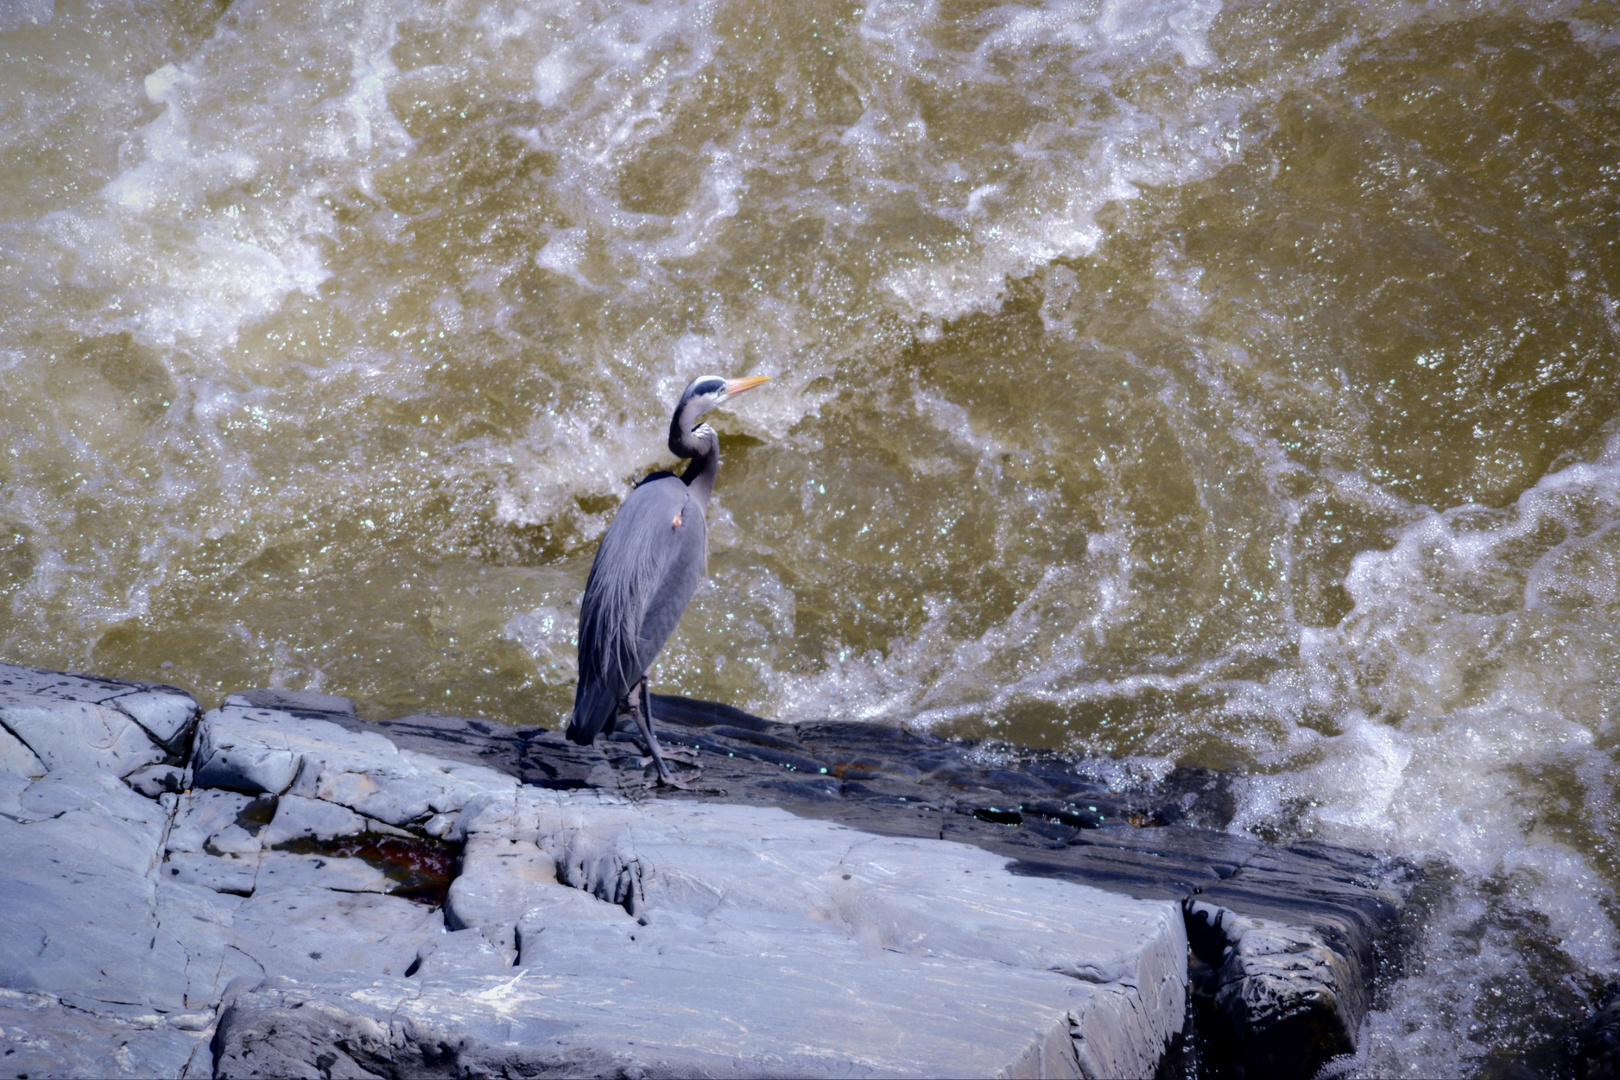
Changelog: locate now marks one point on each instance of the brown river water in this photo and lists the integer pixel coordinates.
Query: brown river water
(1181, 381)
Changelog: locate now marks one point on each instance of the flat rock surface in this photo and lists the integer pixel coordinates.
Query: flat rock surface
(1335, 912)
(725, 940)
(436, 896)
(1161, 840)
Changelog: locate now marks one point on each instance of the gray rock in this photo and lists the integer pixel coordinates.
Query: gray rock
(200, 922)
(501, 878)
(724, 903)
(244, 750)
(17, 759)
(12, 787)
(209, 845)
(77, 735)
(568, 922)
(259, 750)
(920, 911)
(1040, 809)
(455, 738)
(408, 790)
(78, 894)
(337, 939)
(296, 702)
(457, 954)
(94, 797)
(298, 818)
(228, 874)
(43, 1037)
(318, 870)
(165, 712)
(155, 780)
(777, 923)
(203, 814)
(274, 1032)
(802, 1012)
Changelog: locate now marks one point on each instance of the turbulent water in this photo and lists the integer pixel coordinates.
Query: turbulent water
(1184, 381)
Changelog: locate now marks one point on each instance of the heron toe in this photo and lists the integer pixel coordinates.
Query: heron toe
(668, 778)
(689, 784)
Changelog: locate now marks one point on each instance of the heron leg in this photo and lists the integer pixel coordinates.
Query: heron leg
(643, 711)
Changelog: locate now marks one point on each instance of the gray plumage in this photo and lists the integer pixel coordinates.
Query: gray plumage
(649, 564)
(646, 571)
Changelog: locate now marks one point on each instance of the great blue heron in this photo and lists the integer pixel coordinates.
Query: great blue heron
(651, 560)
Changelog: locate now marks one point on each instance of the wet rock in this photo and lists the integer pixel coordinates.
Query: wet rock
(300, 703)
(1598, 1049)
(472, 741)
(859, 900)
(1291, 1002)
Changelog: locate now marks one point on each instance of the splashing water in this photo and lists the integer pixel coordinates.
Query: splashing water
(1223, 384)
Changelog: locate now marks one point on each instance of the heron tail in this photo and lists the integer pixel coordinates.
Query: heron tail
(594, 709)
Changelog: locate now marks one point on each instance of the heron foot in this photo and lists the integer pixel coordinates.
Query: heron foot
(667, 778)
(686, 755)
(689, 784)
(670, 753)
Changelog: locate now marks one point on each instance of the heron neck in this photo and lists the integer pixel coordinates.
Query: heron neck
(703, 447)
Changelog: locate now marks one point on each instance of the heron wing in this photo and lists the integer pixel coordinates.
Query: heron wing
(650, 561)
(683, 572)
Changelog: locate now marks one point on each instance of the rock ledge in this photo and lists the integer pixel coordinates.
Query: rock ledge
(278, 888)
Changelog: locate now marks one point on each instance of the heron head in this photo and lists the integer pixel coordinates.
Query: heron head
(706, 391)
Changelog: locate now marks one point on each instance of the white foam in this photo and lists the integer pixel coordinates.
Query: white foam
(564, 254)
(1069, 169)
(601, 458)
(547, 632)
(1450, 642)
(177, 231)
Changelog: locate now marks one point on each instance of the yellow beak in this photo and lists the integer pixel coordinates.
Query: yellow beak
(737, 386)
